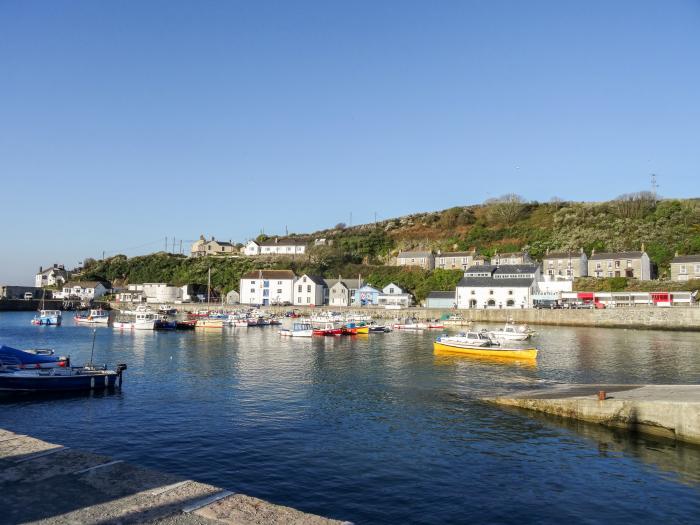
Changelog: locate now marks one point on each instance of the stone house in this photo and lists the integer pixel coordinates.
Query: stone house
(201, 247)
(685, 267)
(511, 258)
(565, 265)
(425, 260)
(455, 260)
(634, 264)
(341, 292)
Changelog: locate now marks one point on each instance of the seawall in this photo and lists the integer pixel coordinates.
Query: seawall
(670, 411)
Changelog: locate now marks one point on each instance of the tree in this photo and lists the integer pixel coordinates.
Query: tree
(634, 205)
(505, 209)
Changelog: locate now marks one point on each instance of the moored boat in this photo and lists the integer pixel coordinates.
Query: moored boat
(93, 317)
(512, 332)
(60, 379)
(31, 358)
(298, 330)
(480, 344)
(145, 321)
(327, 329)
(123, 325)
(209, 323)
(48, 318)
(167, 309)
(185, 325)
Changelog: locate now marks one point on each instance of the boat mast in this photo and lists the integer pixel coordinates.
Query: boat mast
(209, 290)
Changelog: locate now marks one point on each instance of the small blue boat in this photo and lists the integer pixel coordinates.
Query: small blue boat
(59, 379)
(34, 358)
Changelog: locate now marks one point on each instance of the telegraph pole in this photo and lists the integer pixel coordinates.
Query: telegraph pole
(654, 186)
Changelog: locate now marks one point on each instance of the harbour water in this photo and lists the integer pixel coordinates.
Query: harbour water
(374, 429)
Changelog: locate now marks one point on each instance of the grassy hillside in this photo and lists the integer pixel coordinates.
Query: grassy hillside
(504, 224)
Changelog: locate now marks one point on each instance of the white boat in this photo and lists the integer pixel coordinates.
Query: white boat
(475, 339)
(123, 325)
(145, 321)
(409, 324)
(209, 323)
(511, 332)
(98, 316)
(48, 318)
(298, 330)
(167, 309)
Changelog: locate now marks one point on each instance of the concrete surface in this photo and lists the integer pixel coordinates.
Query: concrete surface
(671, 411)
(45, 483)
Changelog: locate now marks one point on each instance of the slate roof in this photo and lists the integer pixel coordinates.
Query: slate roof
(502, 269)
(686, 258)
(316, 279)
(456, 254)
(85, 284)
(562, 255)
(439, 294)
(269, 274)
(487, 282)
(615, 255)
(413, 255)
(352, 284)
(282, 242)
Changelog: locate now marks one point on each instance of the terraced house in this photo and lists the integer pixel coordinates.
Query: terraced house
(201, 247)
(635, 265)
(565, 265)
(458, 260)
(685, 267)
(425, 260)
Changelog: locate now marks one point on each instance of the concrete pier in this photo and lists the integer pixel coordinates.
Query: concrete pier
(671, 411)
(45, 483)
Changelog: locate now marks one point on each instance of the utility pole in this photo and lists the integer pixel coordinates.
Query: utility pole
(173, 248)
(654, 186)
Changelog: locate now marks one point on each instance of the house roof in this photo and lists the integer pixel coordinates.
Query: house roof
(316, 279)
(222, 243)
(456, 254)
(84, 284)
(686, 258)
(282, 242)
(503, 268)
(52, 269)
(352, 284)
(440, 294)
(413, 255)
(269, 274)
(488, 282)
(562, 255)
(615, 255)
(510, 254)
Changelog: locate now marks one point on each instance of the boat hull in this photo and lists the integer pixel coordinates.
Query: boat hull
(16, 382)
(486, 351)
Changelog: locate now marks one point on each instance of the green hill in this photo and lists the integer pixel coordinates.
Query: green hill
(505, 224)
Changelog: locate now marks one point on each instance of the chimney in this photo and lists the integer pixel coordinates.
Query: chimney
(201, 238)
(676, 253)
(643, 247)
(212, 238)
(55, 265)
(41, 269)
(592, 252)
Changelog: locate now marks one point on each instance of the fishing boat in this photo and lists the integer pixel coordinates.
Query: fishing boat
(480, 344)
(167, 309)
(123, 325)
(512, 332)
(88, 377)
(209, 323)
(353, 328)
(163, 323)
(93, 317)
(379, 329)
(31, 358)
(48, 318)
(185, 325)
(298, 330)
(408, 324)
(145, 321)
(327, 329)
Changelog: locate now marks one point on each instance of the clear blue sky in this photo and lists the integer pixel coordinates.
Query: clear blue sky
(123, 122)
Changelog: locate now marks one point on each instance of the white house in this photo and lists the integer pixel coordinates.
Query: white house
(162, 293)
(84, 290)
(55, 275)
(233, 297)
(265, 287)
(394, 295)
(341, 292)
(251, 249)
(279, 246)
(309, 289)
(507, 286)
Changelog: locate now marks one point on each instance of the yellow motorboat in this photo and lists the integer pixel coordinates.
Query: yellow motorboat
(479, 344)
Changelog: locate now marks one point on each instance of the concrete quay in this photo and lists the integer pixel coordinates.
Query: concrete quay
(669, 411)
(46, 483)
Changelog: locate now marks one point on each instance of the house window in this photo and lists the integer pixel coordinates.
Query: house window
(266, 293)
(473, 292)
(308, 300)
(597, 266)
(299, 288)
(308, 288)
(279, 291)
(510, 292)
(279, 283)
(617, 264)
(266, 284)
(697, 268)
(683, 269)
(490, 292)
(629, 263)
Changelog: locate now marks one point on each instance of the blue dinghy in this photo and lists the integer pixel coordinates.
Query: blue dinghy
(34, 358)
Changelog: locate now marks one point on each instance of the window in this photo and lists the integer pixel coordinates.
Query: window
(266, 284)
(510, 292)
(473, 292)
(308, 300)
(697, 268)
(683, 269)
(490, 292)
(299, 300)
(279, 283)
(617, 264)
(266, 293)
(299, 289)
(308, 288)
(629, 263)
(597, 266)
(252, 283)
(279, 291)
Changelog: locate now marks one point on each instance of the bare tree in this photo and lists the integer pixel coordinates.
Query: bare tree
(340, 226)
(505, 209)
(634, 205)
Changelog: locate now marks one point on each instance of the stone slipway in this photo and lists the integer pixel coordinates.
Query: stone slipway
(49, 484)
(671, 411)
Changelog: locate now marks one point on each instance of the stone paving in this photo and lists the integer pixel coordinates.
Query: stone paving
(46, 483)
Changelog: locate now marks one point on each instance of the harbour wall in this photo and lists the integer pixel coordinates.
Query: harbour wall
(643, 317)
(31, 305)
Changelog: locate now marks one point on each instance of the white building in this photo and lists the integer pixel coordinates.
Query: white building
(265, 287)
(162, 293)
(279, 246)
(84, 290)
(233, 297)
(251, 248)
(507, 286)
(55, 275)
(393, 295)
(309, 289)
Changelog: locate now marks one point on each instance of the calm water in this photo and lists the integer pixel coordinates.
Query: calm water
(375, 429)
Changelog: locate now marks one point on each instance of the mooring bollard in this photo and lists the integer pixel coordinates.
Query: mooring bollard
(601, 395)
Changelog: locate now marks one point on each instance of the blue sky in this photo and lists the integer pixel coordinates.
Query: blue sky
(124, 122)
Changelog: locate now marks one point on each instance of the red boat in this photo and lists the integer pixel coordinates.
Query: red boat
(328, 329)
